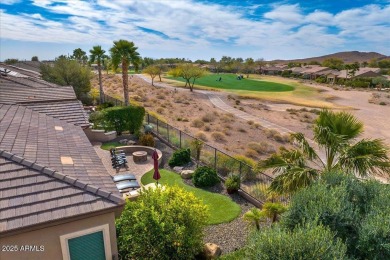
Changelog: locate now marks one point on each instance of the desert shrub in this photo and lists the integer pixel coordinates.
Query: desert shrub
(251, 153)
(238, 102)
(351, 208)
(233, 182)
(218, 136)
(207, 128)
(160, 110)
(242, 130)
(104, 105)
(180, 157)
(97, 119)
(304, 242)
(197, 123)
(382, 103)
(162, 224)
(250, 122)
(209, 117)
(261, 147)
(147, 140)
(201, 135)
(205, 177)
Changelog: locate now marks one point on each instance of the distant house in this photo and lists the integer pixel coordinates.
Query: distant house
(314, 71)
(57, 199)
(361, 73)
(273, 69)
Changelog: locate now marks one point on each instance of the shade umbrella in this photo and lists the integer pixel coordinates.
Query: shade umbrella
(156, 174)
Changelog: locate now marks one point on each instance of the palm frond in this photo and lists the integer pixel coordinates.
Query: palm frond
(304, 145)
(365, 158)
(294, 179)
(340, 123)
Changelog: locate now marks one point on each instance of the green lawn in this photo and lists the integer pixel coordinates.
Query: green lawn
(230, 82)
(107, 146)
(222, 208)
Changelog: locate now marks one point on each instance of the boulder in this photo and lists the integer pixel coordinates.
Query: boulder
(211, 251)
(178, 169)
(123, 141)
(186, 174)
(131, 142)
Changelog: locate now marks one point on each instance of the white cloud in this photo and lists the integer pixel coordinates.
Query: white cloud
(193, 27)
(10, 2)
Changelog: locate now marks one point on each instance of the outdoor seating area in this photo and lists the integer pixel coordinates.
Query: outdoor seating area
(124, 182)
(118, 159)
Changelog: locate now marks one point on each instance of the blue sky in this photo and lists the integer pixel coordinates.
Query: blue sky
(195, 29)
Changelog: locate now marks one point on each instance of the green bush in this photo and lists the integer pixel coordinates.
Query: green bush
(304, 242)
(350, 208)
(97, 119)
(147, 140)
(120, 119)
(162, 224)
(233, 183)
(205, 177)
(104, 106)
(180, 157)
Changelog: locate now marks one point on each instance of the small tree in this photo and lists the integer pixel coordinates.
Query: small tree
(152, 71)
(34, 58)
(256, 216)
(162, 224)
(188, 72)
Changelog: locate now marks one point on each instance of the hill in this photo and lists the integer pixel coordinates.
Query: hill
(347, 57)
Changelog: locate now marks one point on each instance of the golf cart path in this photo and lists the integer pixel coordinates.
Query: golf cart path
(215, 99)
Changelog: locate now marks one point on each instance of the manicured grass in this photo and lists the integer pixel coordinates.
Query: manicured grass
(107, 146)
(302, 95)
(222, 209)
(230, 82)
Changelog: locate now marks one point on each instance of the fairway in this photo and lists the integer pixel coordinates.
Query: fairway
(230, 82)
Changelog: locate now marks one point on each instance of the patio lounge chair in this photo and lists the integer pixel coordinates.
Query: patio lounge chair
(124, 177)
(125, 185)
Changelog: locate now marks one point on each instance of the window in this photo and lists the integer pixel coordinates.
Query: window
(93, 243)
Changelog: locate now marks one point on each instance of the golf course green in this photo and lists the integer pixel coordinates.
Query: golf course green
(231, 82)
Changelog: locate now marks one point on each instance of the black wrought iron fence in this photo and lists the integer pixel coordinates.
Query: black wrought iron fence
(254, 183)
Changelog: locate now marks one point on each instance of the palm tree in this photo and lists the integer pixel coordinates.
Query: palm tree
(255, 215)
(335, 133)
(124, 52)
(273, 210)
(97, 54)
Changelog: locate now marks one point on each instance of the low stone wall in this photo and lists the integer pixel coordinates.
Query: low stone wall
(130, 149)
(95, 135)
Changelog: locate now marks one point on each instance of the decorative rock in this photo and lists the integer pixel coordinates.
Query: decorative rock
(123, 141)
(186, 174)
(131, 142)
(178, 169)
(211, 251)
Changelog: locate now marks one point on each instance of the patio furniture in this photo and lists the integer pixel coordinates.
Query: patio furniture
(125, 185)
(124, 177)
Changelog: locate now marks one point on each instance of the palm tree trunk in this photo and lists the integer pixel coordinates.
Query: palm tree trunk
(125, 82)
(100, 84)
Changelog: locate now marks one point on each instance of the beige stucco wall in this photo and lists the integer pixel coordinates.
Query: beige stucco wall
(99, 135)
(49, 238)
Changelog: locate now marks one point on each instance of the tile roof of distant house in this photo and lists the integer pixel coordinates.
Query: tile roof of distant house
(44, 97)
(314, 69)
(361, 71)
(29, 65)
(33, 194)
(22, 71)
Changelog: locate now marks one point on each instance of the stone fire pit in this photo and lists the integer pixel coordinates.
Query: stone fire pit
(140, 156)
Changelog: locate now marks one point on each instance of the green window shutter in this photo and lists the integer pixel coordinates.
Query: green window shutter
(87, 247)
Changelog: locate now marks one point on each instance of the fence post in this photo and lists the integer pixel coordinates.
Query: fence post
(180, 139)
(168, 132)
(240, 168)
(215, 159)
(157, 126)
(148, 119)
